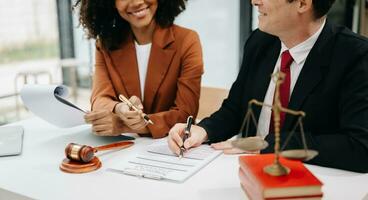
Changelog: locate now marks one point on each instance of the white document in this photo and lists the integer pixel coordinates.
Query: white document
(48, 102)
(158, 162)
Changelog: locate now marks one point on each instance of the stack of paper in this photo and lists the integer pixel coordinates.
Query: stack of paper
(158, 162)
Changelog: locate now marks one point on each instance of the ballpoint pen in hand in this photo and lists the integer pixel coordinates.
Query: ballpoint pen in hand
(144, 116)
(186, 135)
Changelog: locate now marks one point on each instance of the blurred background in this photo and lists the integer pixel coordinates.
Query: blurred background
(41, 42)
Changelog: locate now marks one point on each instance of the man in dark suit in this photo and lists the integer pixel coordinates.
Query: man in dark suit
(326, 69)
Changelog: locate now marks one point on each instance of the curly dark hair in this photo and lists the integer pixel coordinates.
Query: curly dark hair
(101, 20)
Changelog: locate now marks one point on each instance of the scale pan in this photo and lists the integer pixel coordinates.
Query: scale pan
(250, 143)
(299, 154)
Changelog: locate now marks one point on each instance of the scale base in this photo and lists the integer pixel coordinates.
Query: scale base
(276, 169)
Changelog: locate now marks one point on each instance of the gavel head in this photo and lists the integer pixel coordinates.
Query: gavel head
(77, 152)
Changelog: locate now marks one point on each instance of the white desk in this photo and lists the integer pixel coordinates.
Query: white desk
(35, 173)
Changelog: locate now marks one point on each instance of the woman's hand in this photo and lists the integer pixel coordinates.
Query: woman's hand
(132, 119)
(104, 123)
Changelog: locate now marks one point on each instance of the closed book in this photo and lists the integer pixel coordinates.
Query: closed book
(300, 182)
(254, 194)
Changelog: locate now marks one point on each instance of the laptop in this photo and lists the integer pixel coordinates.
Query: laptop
(11, 140)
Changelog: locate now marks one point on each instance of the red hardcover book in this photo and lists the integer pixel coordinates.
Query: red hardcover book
(254, 194)
(300, 183)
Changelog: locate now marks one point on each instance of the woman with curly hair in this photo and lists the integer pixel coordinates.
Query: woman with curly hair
(141, 54)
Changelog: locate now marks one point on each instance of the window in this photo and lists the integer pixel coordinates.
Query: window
(28, 44)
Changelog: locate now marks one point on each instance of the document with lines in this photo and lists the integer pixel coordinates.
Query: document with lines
(158, 162)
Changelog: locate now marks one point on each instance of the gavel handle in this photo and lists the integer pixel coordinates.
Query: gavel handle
(116, 145)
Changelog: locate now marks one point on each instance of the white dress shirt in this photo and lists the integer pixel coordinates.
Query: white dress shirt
(143, 54)
(299, 54)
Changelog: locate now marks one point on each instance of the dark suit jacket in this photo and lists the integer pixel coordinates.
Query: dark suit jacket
(173, 81)
(332, 89)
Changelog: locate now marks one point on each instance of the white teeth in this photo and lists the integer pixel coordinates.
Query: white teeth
(140, 13)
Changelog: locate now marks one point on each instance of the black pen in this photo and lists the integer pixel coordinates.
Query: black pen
(186, 135)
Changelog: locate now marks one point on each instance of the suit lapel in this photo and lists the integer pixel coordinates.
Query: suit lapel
(125, 62)
(158, 65)
(311, 74)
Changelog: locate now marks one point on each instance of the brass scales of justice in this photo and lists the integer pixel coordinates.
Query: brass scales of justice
(257, 143)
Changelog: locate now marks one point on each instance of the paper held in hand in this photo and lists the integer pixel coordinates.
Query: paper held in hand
(48, 102)
(156, 161)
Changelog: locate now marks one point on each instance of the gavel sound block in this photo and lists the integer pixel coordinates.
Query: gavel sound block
(81, 158)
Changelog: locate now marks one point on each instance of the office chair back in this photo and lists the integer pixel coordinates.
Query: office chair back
(210, 101)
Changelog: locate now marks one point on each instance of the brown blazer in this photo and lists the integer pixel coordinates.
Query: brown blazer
(172, 87)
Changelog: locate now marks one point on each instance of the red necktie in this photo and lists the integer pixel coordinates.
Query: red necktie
(284, 89)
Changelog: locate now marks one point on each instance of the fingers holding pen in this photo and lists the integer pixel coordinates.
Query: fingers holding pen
(133, 119)
(175, 139)
(190, 142)
(136, 102)
(132, 114)
(127, 111)
(121, 108)
(174, 147)
(197, 137)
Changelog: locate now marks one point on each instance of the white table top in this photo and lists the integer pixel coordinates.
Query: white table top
(35, 173)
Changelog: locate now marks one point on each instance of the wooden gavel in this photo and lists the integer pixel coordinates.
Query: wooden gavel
(84, 153)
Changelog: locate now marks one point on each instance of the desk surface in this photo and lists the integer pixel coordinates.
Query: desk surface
(35, 173)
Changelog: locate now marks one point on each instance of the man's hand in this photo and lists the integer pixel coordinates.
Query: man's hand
(175, 139)
(104, 123)
(132, 119)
